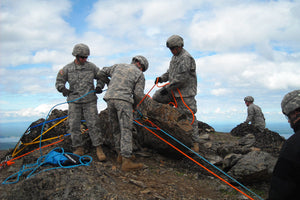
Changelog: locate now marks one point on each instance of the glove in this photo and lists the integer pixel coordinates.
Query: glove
(164, 91)
(157, 80)
(65, 92)
(98, 90)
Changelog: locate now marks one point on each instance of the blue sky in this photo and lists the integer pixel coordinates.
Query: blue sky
(241, 48)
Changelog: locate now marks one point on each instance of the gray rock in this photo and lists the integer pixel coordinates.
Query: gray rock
(253, 167)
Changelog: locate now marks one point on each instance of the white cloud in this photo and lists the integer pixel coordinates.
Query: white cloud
(220, 91)
(29, 26)
(241, 48)
(240, 70)
(256, 25)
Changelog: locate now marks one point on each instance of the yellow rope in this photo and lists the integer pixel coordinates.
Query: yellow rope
(33, 141)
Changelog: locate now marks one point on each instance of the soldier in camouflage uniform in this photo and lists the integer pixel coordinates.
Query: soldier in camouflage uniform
(255, 115)
(127, 82)
(183, 84)
(285, 183)
(80, 75)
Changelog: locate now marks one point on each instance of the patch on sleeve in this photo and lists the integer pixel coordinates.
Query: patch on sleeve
(61, 72)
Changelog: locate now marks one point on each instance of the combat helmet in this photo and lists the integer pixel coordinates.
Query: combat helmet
(249, 99)
(81, 50)
(290, 102)
(142, 60)
(174, 41)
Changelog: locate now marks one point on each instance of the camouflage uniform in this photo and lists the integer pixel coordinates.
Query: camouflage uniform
(126, 82)
(181, 75)
(256, 117)
(81, 81)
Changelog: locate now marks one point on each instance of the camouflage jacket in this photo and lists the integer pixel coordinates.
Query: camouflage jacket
(126, 82)
(80, 79)
(182, 75)
(255, 115)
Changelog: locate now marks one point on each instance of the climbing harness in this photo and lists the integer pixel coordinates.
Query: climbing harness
(57, 158)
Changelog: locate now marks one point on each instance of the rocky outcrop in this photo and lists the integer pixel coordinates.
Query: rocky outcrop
(245, 154)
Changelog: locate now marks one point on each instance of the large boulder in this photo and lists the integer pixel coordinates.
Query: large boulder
(254, 167)
(267, 140)
(154, 122)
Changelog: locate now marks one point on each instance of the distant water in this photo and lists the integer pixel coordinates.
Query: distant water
(283, 129)
(10, 133)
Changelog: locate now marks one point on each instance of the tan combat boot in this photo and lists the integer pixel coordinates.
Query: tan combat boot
(195, 147)
(128, 165)
(100, 154)
(119, 158)
(79, 151)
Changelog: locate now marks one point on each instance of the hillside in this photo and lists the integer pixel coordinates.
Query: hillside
(243, 158)
(163, 178)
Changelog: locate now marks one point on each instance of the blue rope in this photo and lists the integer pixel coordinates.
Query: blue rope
(41, 160)
(48, 122)
(209, 163)
(51, 111)
(44, 160)
(40, 124)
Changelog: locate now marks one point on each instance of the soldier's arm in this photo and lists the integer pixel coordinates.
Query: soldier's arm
(61, 79)
(103, 76)
(165, 77)
(139, 88)
(251, 113)
(182, 75)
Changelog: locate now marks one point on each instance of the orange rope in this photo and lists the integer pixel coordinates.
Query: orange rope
(15, 152)
(34, 150)
(145, 96)
(186, 106)
(195, 161)
(150, 91)
(175, 102)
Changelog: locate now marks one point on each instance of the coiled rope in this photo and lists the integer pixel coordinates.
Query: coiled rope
(47, 160)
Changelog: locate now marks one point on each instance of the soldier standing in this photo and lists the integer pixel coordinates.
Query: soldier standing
(80, 75)
(255, 115)
(126, 84)
(183, 84)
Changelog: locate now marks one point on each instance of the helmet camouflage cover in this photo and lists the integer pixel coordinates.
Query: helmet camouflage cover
(175, 41)
(290, 102)
(142, 60)
(81, 50)
(249, 99)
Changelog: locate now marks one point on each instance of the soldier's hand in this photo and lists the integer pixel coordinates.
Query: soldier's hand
(164, 91)
(65, 92)
(157, 80)
(98, 90)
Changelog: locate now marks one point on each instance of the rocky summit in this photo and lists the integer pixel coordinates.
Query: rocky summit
(243, 159)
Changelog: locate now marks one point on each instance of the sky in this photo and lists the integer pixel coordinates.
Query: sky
(241, 48)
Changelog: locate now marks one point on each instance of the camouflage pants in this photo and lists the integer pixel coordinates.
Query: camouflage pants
(121, 111)
(90, 113)
(189, 101)
(261, 125)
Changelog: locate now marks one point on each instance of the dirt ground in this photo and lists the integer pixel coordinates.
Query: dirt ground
(162, 178)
